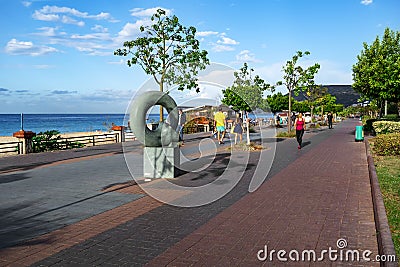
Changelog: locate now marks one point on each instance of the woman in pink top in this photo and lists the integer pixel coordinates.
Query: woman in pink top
(300, 125)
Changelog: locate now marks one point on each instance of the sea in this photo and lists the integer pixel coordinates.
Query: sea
(70, 123)
(64, 123)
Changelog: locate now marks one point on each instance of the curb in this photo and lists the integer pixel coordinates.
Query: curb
(384, 236)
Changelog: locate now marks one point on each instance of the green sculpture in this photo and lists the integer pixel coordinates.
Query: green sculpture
(161, 152)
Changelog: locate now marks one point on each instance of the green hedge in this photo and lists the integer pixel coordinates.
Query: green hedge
(385, 127)
(387, 144)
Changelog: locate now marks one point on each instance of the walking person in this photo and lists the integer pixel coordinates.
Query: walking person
(181, 124)
(220, 125)
(293, 119)
(238, 128)
(300, 125)
(330, 120)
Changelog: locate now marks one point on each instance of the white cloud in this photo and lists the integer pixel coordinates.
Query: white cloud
(222, 48)
(366, 2)
(52, 13)
(206, 33)
(120, 62)
(94, 36)
(141, 12)
(329, 73)
(69, 20)
(246, 56)
(227, 41)
(45, 17)
(47, 31)
(26, 3)
(99, 28)
(15, 47)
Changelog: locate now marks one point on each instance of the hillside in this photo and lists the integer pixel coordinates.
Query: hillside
(344, 94)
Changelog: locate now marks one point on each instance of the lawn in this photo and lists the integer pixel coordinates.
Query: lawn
(388, 171)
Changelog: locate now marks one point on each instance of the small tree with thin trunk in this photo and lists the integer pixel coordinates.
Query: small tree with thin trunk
(296, 77)
(246, 93)
(168, 51)
(313, 93)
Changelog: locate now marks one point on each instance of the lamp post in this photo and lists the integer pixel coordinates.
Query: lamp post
(22, 121)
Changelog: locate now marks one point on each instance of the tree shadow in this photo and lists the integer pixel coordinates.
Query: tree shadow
(210, 174)
(16, 228)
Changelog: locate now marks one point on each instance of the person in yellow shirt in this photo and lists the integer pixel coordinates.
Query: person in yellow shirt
(220, 125)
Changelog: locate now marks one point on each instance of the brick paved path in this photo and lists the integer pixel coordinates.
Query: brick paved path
(312, 198)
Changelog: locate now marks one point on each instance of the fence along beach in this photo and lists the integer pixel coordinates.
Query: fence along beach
(69, 125)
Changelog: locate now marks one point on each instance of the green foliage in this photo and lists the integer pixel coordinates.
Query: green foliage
(286, 134)
(368, 125)
(46, 141)
(391, 117)
(376, 75)
(365, 118)
(296, 78)
(301, 106)
(168, 51)
(50, 141)
(385, 127)
(278, 102)
(388, 171)
(387, 144)
(246, 93)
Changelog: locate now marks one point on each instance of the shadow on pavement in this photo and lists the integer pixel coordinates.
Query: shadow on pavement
(306, 143)
(16, 228)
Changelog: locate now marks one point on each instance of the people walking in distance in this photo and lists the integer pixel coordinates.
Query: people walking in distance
(330, 120)
(238, 128)
(293, 119)
(278, 119)
(300, 125)
(181, 124)
(220, 125)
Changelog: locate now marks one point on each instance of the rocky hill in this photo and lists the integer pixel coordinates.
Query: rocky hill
(344, 94)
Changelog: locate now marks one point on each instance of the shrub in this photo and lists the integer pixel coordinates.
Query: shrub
(393, 117)
(51, 140)
(46, 141)
(365, 118)
(286, 134)
(387, 144)
(368, 125)
(385, 127)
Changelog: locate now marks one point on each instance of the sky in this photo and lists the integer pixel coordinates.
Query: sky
(57, 56)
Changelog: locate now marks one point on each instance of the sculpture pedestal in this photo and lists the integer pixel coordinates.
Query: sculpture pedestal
(161, 162)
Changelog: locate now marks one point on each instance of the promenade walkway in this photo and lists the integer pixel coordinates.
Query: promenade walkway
(86, 210)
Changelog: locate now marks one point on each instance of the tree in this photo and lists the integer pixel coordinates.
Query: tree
(278, 102)
(326, 103)
(376, 75)
(296, 78)
(168, 51)
(246, 93)
(313, 93)
(301, 106)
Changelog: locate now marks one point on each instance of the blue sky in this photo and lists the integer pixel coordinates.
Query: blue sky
(57, 56)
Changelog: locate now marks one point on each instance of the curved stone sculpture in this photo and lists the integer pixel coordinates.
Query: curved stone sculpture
(165, 134)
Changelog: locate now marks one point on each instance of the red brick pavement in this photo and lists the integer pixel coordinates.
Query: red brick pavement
(322, 196)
